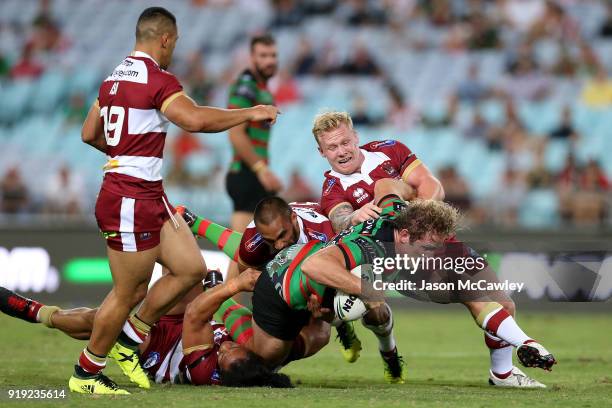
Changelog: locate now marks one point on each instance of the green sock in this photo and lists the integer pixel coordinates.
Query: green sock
(237, 320)
(224, 238)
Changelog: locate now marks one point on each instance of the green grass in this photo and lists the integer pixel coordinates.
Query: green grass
(446, 359)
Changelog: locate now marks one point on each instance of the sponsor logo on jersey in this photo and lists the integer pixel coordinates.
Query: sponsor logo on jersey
(360, 195)
(254, 242)
(389, 169)
(127, 63)
(385, 143)
(328, 187)
(316, 235)
(152, 359)
(145, 235)
(368, 249)
(215, 375)
(218, 334)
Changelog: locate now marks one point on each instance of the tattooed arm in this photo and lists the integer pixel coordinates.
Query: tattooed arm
(342, 216)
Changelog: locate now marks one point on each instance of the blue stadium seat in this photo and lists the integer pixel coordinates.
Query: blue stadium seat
(540, 209)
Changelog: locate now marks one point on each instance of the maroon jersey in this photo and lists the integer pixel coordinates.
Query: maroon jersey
(132, 101)
(254, 251)
(163, 357)
(383, 159)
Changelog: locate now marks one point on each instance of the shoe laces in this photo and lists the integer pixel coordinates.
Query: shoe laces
(395, 363)
(104, 380)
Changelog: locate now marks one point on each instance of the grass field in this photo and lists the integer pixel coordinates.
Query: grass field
(446, 359)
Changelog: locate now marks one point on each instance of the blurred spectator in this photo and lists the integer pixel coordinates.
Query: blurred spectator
(439, 12)
(299, 190)
(360, 63)
(589, 60)
(287, 13)
(456, 190)
(483, 34)
(363, 12)
(478, 128)
(196, 80)
(402, 115)
(597, 91)
(539, 176)
(285, 89)
(565, 65)
(360, 114)
(76, 110)
(522, 14)
(13, 192)
(26, 67)
(565, 129)
(507, 197)
(5, 66)
(64, 193)
(472, 89)
(518, 151)
(305, 61)
(47, 35)
(554, 23)
(605, 30)
(588, 203)
(526, 80)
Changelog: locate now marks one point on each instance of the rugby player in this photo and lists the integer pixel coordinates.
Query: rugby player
(415, 228)
(186, 346)
(128, 122)
(249, 178)
(348, 190)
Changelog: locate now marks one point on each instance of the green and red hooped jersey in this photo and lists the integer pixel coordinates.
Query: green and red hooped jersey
(359, 244)
(245, 93)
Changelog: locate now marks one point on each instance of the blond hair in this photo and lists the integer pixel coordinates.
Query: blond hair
(427, 216)
(327, 121)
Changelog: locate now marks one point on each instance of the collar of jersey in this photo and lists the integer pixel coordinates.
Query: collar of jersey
(371, 160)
(303, 238)
(143, 55)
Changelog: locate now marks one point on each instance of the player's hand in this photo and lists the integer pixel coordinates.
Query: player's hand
(269, 181)
(265, 112)
(314, 307)
(368, 211)
(246, 280)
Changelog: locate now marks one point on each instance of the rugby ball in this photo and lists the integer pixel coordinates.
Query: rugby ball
(350, 307)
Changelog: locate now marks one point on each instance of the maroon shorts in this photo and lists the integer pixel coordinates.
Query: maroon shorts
(131, 224)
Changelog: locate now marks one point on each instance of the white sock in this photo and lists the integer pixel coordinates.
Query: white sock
(500, 324)
(501, 360)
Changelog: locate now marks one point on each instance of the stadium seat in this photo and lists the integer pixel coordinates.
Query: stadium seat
(539, 209)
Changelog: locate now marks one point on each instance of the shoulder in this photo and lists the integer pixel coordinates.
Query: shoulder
(330, 183)
(382, 145)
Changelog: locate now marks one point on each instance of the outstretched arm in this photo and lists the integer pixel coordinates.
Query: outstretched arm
(186, 114)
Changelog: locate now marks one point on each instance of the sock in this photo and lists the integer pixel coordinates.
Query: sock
(384, 333)
(44, 315)
(501, 355)
(237, 320)
(225, 239)
(497, 322)
(134, 332)
(90, 362)
(18, 306)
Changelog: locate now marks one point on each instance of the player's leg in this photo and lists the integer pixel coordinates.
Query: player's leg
(131, 272)
(380, 322)
(76, 323)
(502, 330)
(314, 337)
(225, 239)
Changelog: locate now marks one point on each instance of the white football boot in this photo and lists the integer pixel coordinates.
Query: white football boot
(517, 379)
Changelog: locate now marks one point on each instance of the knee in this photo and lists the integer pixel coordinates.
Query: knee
(377, 316)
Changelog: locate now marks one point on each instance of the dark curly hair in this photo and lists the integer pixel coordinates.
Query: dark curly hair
(253, 372)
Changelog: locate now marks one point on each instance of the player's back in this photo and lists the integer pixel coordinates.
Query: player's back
(132, 101)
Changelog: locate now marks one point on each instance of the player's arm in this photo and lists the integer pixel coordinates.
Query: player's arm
(186, 114)
(327, 267)
(424, 182)
(92, 131)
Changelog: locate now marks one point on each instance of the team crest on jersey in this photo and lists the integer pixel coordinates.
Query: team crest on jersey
(389, 169)
(385, 143)
(152, 359)
(254, 242)
(360, 195)
(215, 375)
(145, 235)
(316, 235)
(328, 187)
